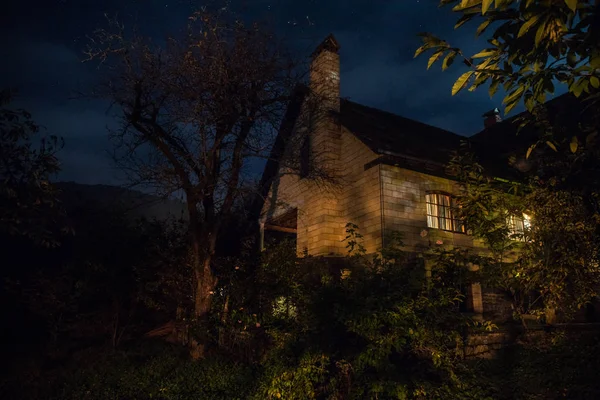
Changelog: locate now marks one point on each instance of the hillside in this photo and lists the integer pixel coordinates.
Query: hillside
(131, 203)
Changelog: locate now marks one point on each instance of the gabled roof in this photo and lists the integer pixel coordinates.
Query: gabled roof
(504, 134)
(497, 143)
(273, 163)
(387, 133)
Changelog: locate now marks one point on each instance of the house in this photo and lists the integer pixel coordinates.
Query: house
(387, 173)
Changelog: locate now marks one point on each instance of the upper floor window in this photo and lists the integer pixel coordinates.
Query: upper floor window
(441, 213)
(518, 226)
(305, 158)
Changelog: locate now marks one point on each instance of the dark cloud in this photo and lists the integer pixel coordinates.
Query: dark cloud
(47, 74)
(43, 42)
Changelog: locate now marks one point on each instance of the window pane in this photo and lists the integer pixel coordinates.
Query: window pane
(440, 213)
(517, 225)
(445, 200)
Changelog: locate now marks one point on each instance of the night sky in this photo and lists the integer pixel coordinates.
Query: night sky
(41, 43)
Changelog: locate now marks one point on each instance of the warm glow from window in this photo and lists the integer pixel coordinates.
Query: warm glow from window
(441, 213)
(526, 221)
(518, 226)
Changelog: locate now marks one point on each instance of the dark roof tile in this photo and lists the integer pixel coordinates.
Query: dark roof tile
(384, 132)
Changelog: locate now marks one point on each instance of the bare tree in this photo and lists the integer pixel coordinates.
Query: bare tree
(195, 112)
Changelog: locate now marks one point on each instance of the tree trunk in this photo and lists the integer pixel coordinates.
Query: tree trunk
(205, 286)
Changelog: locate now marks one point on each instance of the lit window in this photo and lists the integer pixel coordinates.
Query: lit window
(518, 226)
(441, 213)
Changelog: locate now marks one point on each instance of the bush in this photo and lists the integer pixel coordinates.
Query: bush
(162, 372)
(554, 366)
(362, 328)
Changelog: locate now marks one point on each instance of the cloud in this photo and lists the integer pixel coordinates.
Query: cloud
(41, 69)
(46, 74)
(42, 43)
(409, 89)
(378, 69)
(87, 166)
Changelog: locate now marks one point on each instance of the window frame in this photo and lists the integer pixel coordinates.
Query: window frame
(456, 226)
(305, 157)
(512, 221)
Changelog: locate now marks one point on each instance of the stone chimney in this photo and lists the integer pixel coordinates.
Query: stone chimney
(491, 117)
(325, 73)
(325, 222)
(324, 106)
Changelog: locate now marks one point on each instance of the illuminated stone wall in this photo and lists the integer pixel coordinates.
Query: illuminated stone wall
(325, 209)
(361, 201)
(405, 211)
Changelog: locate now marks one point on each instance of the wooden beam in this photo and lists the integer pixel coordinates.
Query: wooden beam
(279, 229)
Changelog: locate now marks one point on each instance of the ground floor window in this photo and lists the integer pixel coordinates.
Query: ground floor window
(441, 213)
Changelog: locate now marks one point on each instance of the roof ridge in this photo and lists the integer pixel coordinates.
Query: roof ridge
(515, 117)
(400, 116)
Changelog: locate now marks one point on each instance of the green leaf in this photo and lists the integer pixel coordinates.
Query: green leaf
(484, 53)
(485, 6)
(541, 97)
(572, 4)
(514, 96)
(508, 108)
(551, 145)
(529, 102)
(549, 86)
(448, 60)
(574, 144)
(434, 58)
(463, 20)
(539, 35)
(528, 25)
(420, 50)
(483, 27)
(461, 82)
(529, 150)
(464, 4)
(577, 87)
(595, 82)
(479, 80)
(572, 59)
(494, 88)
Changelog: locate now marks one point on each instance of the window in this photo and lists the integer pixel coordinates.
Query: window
(441, 213)
(305, 158)
(518, 225)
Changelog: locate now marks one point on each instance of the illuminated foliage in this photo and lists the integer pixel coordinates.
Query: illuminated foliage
(533, 45)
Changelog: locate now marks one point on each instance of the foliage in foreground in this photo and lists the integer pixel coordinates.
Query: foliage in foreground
(28, 203)
(552, 264)
(531, 47)
(153, 370)
(381, 332)
(359, 327)
(556, 367)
